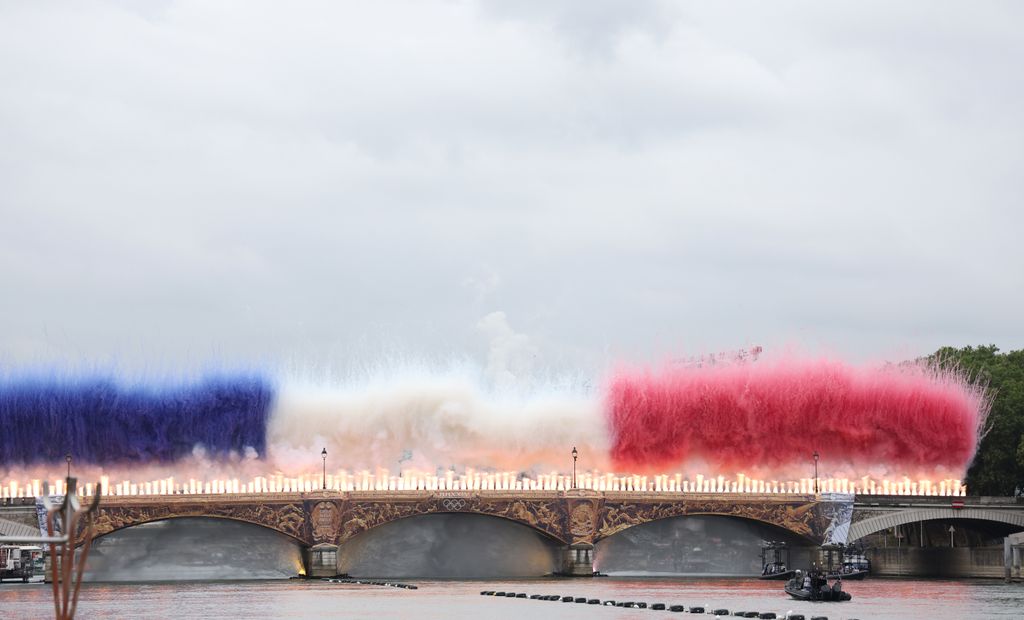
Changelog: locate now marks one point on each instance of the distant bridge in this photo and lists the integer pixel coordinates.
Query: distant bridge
(877, 514)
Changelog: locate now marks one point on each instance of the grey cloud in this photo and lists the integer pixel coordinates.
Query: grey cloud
(185, 180)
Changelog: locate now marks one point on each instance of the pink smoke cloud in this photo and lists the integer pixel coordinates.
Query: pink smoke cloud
(768, 416)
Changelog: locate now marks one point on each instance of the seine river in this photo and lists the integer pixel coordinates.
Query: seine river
(877, 599)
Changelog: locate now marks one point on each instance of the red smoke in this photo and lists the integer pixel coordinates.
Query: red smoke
(763, 416)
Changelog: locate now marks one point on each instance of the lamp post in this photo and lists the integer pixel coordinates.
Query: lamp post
(575, 454)
(67, 457)
(815, 472)
(323, 455)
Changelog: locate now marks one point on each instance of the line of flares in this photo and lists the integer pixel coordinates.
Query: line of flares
(382, 480)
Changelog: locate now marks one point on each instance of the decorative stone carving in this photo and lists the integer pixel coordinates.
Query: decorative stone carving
(542, 514)
(582, 522)
(799, 518)
(288, 518)
(325, 520)
(568, 519)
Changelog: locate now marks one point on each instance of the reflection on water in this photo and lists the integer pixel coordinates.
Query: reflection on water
(193, 548)
(451, 546)
(694, 545)
(874, 599)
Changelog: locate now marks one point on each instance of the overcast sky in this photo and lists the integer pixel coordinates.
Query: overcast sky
(565, 183)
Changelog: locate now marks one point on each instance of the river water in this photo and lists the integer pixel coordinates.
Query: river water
(875, 598)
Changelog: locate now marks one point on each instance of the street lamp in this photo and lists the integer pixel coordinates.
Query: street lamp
(67, 457)
(575, 454)
(323, 455)
(815, 472)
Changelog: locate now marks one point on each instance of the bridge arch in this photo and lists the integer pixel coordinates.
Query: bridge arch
(195, 547)
(451, 544)
(543, 516)
(804, 518)
(288, 518)
(805, 537)
(889, 520)
(103, 532)
(535, 527)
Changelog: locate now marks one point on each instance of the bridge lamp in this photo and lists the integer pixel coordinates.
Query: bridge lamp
(323, 455)
(575, 455)
(815, 472)
(67, 457)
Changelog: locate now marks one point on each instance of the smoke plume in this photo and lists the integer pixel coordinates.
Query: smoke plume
(772, 416)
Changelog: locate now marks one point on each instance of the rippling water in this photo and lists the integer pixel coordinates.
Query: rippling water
(877, 599)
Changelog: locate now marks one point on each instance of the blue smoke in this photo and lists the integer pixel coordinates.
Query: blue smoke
(98, 421)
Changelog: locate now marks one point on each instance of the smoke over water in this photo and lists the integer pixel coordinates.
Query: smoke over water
(761, 418)
(769, 416)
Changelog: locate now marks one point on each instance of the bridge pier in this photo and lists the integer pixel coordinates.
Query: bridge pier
(1013, 550)
(320, 560)
(578, 560)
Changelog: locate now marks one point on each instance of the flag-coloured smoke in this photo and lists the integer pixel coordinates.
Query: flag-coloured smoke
(97, 420)
(764, 417)
(768, 416)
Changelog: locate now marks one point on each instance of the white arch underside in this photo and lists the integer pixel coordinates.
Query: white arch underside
(902, 517)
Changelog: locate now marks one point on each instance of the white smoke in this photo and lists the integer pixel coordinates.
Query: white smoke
(510, 354)
(444, 418)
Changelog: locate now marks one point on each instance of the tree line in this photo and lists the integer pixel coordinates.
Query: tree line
(998, 467)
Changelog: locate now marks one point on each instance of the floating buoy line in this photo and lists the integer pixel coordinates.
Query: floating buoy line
(369, 582)
(696, 609)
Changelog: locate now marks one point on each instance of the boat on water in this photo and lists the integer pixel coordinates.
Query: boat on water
(854, 565)
(775, 561)
(815, 586)
(19, 561)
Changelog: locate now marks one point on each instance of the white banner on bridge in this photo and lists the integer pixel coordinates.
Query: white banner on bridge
(838, 506)
(41, 514)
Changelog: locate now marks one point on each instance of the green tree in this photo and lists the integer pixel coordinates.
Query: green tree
(998, 467)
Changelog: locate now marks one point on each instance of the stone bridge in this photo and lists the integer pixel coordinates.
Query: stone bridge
(323, 521)
(876, 514)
